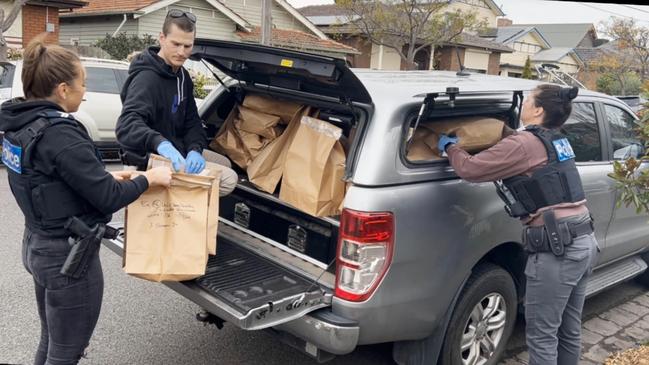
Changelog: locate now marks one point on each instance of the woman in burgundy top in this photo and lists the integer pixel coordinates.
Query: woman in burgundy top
(543, 189)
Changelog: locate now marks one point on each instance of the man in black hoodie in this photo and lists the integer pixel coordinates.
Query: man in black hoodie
(159, 112)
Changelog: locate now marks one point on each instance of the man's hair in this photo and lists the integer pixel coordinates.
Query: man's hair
(183, 23)
(556, 102)
(45, 66)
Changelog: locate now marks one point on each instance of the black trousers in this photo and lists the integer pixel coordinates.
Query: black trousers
(68, 308)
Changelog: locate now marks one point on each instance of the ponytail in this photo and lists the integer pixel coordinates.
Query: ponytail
(45, 66)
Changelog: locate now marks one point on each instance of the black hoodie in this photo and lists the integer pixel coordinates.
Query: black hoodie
(157, 105)
(66, 153)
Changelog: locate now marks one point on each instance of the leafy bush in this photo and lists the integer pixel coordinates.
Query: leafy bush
(610, 83)
(527, 70)
(120, 46)
(14, 54)
(199, 86)
(633, 182)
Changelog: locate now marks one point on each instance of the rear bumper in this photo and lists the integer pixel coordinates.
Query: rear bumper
(324, 330)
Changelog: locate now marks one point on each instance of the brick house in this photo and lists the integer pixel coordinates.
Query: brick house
(232, 20)
(475, 53)
(35, 18)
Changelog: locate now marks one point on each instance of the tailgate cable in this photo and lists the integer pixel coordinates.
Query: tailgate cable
(313, 283)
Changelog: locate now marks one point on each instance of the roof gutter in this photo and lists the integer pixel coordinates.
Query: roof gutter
(97, 13)
(61, 4)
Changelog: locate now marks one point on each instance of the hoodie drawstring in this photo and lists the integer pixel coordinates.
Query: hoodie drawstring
(180, 86)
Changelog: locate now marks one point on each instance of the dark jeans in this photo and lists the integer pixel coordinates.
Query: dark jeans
(68, 308)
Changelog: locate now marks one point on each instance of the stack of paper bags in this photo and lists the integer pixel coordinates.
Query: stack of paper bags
(251, 127)
(314, 169)
(171, 231)
(475, 133)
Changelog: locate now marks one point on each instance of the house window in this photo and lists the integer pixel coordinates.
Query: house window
(526, 47)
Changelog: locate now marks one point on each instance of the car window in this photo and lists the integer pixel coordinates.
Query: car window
(624, 137)
(6, 80)
(121, 77)
(583, 133)
(101, 80)
(6, 75)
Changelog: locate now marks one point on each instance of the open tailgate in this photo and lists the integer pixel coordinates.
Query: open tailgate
(244, 284)
(277, 67)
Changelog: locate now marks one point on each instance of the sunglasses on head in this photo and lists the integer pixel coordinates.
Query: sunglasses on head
(177, 13)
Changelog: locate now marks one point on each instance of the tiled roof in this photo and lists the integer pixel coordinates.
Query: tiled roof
(562, 35)
(511, 33)
(113, 6)
(506, 34)
(555, 54)
(333, 9)
(326, 20)
(479, 42)
(297, 40)
(589, 54)
(322, 10)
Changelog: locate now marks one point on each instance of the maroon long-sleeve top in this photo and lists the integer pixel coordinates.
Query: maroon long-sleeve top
(518, 154)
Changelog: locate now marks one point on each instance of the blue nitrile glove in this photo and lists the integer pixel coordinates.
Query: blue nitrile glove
(195, 163)
(167, 150)
(444, 141)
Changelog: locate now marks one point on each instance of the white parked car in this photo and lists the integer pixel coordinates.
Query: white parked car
(101, 105)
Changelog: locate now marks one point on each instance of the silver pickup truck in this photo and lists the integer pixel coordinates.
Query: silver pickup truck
(419, 257)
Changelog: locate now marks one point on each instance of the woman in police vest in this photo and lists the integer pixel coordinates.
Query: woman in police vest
(541, 186)
(55, 173)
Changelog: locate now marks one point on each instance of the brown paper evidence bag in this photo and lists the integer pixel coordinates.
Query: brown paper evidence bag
(170, 232)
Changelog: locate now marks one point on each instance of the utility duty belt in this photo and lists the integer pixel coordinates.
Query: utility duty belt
(554, 236)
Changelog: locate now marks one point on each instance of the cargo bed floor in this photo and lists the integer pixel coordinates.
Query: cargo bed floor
(247, 281)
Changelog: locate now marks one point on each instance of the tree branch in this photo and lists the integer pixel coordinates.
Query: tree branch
(13, 14)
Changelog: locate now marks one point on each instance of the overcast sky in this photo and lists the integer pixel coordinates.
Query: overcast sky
(541, 11)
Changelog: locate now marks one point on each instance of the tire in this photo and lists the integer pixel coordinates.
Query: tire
(488, 286)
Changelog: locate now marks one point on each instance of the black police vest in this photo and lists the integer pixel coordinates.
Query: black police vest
(555, 183)
(46, 202)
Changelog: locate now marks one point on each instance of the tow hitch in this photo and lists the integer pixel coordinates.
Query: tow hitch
(209, 318)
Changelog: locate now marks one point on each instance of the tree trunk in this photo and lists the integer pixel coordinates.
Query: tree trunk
(3, 53)
(410, 58)
(410, 63)
(622, 80)
(5, 24)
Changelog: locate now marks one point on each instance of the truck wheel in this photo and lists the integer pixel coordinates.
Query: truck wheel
(483, 318)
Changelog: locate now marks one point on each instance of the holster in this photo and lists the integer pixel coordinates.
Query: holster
(554, 236)
(133, 159)
(85, 242)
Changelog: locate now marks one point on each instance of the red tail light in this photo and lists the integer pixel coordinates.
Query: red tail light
(365, 245)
